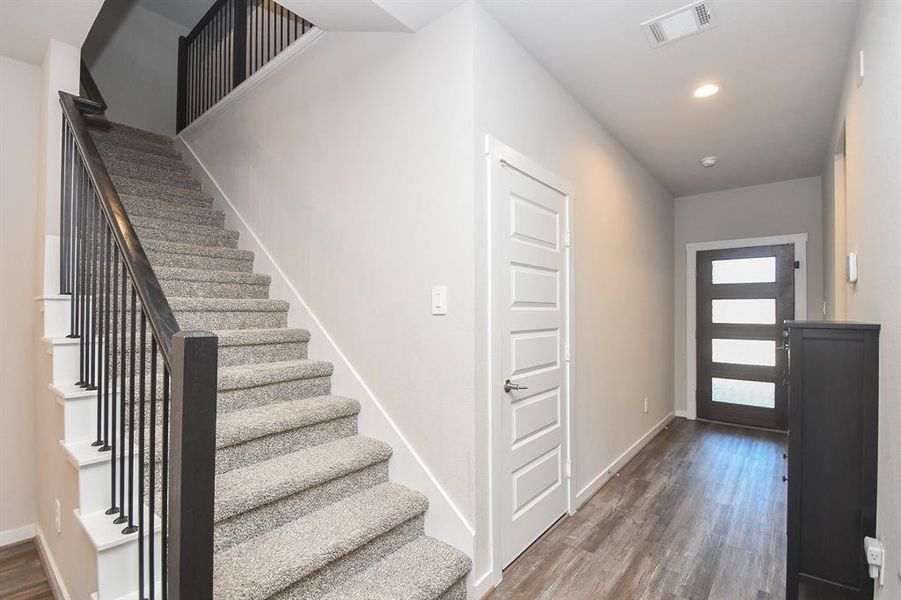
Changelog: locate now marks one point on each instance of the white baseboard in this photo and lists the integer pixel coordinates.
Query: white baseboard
(604, 476)
(682, 413)
(444, 520)
(483, 585)
(57, 586)
(19, 534)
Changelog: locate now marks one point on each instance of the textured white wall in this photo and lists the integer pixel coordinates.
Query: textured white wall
(132, 53)
(870, 112)
(622, 270)
(781, 208)
(20, 103)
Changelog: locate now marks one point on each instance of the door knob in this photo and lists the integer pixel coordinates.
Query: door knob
(513, 386)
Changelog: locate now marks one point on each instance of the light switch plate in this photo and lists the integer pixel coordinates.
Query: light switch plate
(439, 300)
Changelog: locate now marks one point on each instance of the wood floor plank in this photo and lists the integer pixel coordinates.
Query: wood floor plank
(698, 514)
(22, 575)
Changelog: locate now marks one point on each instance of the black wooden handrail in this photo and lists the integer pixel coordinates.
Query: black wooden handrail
(156, 306)
(206, 18)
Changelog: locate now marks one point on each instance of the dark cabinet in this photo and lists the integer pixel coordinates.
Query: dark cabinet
(832, 444)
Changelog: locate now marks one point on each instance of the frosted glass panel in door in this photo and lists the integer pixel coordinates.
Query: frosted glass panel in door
(744, 270)
(745, 352)
(748, 393)
(754, 311)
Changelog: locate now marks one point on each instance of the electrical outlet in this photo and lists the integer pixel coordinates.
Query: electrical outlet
(646, 404)
(56, 519)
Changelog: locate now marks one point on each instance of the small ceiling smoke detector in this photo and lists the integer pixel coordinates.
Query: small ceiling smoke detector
(706, 90)
(709, 161)
(678, 24)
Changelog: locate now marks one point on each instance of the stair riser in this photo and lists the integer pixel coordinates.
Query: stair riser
(170, 211)
(230, 356)
(264, 448)
(127, 154)
(334, 573)
(117, 572)
(221, 240)
(152, 173)
(455, 592)
(231, 400)
(212, 289)
(231, 320)
(252, 523)
(110, 143)
(138, 187)
(94, 483)
(197, 261)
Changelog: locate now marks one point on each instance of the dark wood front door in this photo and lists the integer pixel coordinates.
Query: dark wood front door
(744, 296)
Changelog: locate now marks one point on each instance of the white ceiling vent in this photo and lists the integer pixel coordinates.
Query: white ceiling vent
(678, 24)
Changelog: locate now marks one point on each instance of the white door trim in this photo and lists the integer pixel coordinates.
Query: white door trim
(691, 267)
(499, 154)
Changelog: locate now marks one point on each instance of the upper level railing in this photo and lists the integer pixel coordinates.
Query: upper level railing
(155, 384)
(232, 41)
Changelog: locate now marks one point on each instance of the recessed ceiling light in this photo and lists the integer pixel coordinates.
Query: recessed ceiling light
(709, 161)
(706, 90)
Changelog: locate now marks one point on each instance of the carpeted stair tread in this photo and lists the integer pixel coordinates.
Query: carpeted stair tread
(227, 305)
(151, 172)
(252, 423)
(180, 273)
(273, 561)
(170, 247)
(129, 153)
(172, 211)
(254, 337)
(204, 235)
(240, 377)
(108, 144)
(422, 570)
(152, 189)
(105, 126)
(262, 483)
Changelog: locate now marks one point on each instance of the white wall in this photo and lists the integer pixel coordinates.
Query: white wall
(132, 53)
(871, 117)
(20, 103)
(781, 208)
(622, 270)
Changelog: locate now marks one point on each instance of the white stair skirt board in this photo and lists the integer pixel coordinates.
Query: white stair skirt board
(443, 520)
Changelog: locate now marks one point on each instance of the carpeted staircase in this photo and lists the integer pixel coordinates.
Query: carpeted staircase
(304, 506)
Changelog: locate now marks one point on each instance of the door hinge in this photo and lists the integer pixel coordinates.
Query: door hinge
(566, 355)
(566, 238)
(797, 264)
(569, 469)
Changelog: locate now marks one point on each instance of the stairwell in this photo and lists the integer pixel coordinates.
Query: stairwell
(304, 507)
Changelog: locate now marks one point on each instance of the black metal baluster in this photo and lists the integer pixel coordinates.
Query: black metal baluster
(103, 327)
(115, 350)
(269, 44)
(141, 457)
(92, 319)
(124, 510)
(63, 205)
(164, 501)
(79, 272)
(131, 418)
(152, 487)
(73, 259)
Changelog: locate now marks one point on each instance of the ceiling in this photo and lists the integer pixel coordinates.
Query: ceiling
(184, 12)
(780, 64)
(27, 26)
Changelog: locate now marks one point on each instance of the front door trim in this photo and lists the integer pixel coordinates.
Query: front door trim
(500, 156)
(691, 269)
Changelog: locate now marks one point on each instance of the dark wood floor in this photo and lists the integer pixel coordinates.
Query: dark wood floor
(699, 513)
(22, 575)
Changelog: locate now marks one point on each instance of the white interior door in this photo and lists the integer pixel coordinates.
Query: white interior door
(530, 298)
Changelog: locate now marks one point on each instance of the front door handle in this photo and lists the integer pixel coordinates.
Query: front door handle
(508, 387)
